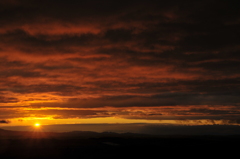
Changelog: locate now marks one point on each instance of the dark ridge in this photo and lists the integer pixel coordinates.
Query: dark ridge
(86, 144)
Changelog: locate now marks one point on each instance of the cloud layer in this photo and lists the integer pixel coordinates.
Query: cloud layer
(4, 121)
(180, 57)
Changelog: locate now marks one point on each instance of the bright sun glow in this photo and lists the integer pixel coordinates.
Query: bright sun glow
(37, 125)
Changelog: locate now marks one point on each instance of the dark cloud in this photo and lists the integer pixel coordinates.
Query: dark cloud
(19, 72)
(4, 99)
(118, 35)
(4, 121)
(215, 111)
(61, 89)
(165, 99)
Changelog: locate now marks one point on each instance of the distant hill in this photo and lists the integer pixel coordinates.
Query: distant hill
(25, 134)
(87, 144)
(74, 134)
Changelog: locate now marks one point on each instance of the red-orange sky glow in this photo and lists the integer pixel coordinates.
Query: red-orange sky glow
(166, 62)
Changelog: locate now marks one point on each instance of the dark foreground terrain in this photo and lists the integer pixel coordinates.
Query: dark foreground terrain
(80, 145)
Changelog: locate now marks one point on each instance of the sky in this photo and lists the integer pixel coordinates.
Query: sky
(165, 62)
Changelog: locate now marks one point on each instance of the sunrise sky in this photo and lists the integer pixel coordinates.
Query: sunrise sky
(72, 62)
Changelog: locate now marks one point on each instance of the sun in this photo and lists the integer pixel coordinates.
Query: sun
(37, 125)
